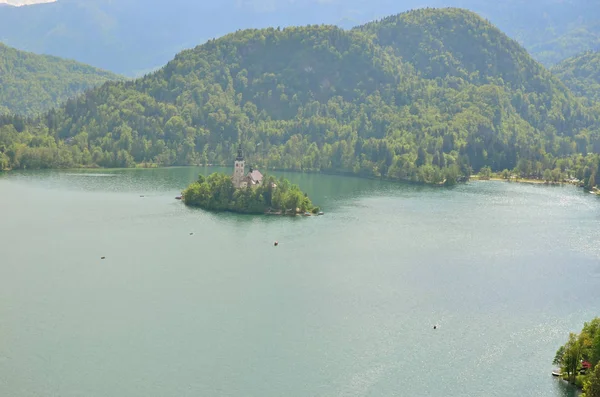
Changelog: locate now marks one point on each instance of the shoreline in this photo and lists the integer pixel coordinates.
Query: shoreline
(472, 178)
(520, 180)
(528, 181)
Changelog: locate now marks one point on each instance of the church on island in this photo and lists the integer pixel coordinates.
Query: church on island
(240, 179)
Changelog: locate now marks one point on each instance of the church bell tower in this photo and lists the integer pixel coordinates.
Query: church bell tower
(239, 167)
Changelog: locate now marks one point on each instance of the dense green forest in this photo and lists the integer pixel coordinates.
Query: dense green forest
(134, 36)
(579, 359)
(31, 83)
(581, 74)
(425, 96)
(216, 193)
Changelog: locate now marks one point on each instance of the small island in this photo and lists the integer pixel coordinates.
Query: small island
(250, 193)
(579, 359)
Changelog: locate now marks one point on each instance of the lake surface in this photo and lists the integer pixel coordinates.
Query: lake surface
(344, 306)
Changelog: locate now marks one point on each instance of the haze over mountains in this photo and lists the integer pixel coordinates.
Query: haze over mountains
(134, 36)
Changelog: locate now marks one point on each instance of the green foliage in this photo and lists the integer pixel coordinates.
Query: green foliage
(485, 173)
(584, 346)
(580, 381)
(435, 43)
(31, 84)
(591, 183)
(216, 193)
(581, 74)
(428, 96)
(591, 387)
(572, 357)
(558, 357)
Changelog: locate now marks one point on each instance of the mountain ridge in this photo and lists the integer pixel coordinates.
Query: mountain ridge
(130, 36)
(32, 83)
(322, 98)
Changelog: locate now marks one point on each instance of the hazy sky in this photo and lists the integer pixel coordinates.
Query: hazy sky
(24, 2)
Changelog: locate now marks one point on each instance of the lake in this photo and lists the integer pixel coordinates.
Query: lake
(344, 306)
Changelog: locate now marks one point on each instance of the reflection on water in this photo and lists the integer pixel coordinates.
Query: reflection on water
(319, 187)
(564, 389)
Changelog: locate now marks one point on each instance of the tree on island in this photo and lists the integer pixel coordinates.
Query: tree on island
(217, 193)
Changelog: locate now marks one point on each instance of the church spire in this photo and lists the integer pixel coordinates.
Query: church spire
(238, 169)
(240, 155)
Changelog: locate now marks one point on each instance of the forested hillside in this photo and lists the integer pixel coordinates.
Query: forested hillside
(426, 96)
(133, 36)
(31, 83)
(581, 74)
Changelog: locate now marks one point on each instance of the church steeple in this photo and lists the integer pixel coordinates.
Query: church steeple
(240, 155)
(239, 169)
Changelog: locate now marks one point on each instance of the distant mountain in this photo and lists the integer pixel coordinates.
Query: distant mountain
(581, 74)
(425, 96)
(134, 36)
(454, 43)
(31, 84)
(551, 30)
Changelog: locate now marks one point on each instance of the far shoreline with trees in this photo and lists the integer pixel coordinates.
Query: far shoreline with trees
(554, 177)
(378, 101)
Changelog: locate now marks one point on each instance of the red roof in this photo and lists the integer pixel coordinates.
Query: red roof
(586, 365)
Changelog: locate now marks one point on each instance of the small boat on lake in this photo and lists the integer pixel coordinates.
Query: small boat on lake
(556, 372)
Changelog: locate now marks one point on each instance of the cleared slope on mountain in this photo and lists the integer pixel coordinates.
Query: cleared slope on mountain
(133, 36)
(324, 99)
(581, 74)
(31, 83)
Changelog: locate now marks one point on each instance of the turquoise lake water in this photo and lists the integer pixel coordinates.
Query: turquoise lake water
(344, 306)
